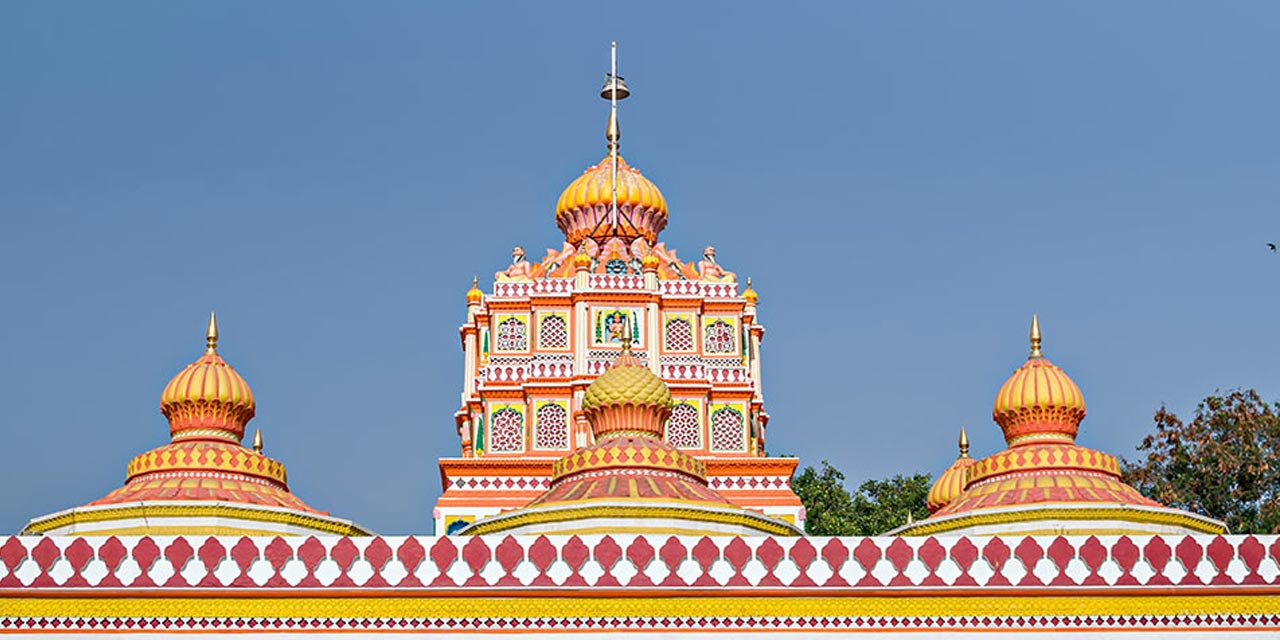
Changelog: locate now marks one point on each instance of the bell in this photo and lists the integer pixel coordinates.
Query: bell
(606, 92)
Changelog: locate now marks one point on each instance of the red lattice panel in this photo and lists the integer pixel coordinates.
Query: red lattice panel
(551, 430)
(726, 430)
(553, 333)
(683, 428)
(507, 434)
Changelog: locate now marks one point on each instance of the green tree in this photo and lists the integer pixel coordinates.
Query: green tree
(1223, 463)
(881, 505)
(876, 507)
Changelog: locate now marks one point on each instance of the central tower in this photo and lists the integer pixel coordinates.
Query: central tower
(548, 328)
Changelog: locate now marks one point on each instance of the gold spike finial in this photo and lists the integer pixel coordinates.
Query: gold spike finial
(911, 519)
(964, 443)
(626, 336)
(1035, 337)
(211, 336)
(257, 440)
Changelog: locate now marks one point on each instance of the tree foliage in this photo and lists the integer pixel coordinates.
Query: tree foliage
(876, 507)
(1223, 463)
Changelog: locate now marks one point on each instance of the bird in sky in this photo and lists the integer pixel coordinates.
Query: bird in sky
(1272, 246)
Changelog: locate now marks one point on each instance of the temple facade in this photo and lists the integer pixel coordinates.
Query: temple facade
(547, 329)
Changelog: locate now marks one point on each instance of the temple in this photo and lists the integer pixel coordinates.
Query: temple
(549, 328)
(611, 481)
(1043, 483)
(205, 481)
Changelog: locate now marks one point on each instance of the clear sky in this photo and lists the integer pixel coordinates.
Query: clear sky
(906, 183)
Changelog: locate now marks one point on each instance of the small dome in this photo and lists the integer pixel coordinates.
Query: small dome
(750, 294)
(1039, 401)
(948, 485)
(952, 481)
(584, 204)
(628, 398)
(208, 399)
(474, 294)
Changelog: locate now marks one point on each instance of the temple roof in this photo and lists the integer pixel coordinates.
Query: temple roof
(208, 405)
(1039, 409)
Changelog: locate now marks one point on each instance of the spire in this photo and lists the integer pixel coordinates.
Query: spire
(615, 89)
(1035, 337)
(964, 443)
(211, 336)
(626, 337)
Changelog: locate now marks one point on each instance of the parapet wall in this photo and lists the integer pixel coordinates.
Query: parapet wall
(1039, 585)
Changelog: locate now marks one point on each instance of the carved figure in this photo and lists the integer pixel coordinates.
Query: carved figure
(520, 268)
(709, 269)
(556, 260)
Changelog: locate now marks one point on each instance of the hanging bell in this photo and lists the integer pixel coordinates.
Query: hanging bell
(606, 92)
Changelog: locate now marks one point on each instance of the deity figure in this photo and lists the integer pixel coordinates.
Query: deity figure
(520, 268)
(709, 269)
(616, 323)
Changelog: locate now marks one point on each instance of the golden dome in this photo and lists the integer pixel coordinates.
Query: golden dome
(750, 294)
(628, 398)
(584, 204)
(474, 294)
(952, 481)
(1039, 401)
(208, 399)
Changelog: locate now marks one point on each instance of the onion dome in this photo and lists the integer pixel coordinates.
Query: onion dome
(627, 399)
(474, 294)
(1039, 401)
(583, 209)
(952, 481)
(208, 399)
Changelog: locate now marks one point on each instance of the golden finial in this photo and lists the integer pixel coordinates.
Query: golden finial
(1035, 337)
(257, 440)
(911, 519)
(211, 336)
(626, 336)
(615, 89)
(964, 443)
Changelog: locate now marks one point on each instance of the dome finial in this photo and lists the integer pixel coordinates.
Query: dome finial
(626, 337)
(257, 440)
(964, 443)
(211, 336)
(1035, 337)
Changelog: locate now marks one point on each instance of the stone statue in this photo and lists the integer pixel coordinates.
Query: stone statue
(520, 268)
(709, 269)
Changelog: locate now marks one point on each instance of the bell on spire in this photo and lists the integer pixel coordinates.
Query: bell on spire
(606, 92)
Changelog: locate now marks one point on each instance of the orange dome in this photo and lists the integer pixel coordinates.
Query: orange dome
(208, 399)
(952, 481)
(1039, 401)
(584, 205)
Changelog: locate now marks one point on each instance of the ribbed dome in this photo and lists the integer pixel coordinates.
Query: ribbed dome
(585, 203)
(1039, 401)
(208, 399)
(948, 485)
(628, 398)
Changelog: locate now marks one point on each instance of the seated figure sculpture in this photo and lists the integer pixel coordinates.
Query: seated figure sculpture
(709, 269)
(520, 268)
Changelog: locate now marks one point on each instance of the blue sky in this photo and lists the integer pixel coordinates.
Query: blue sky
(905, 182)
